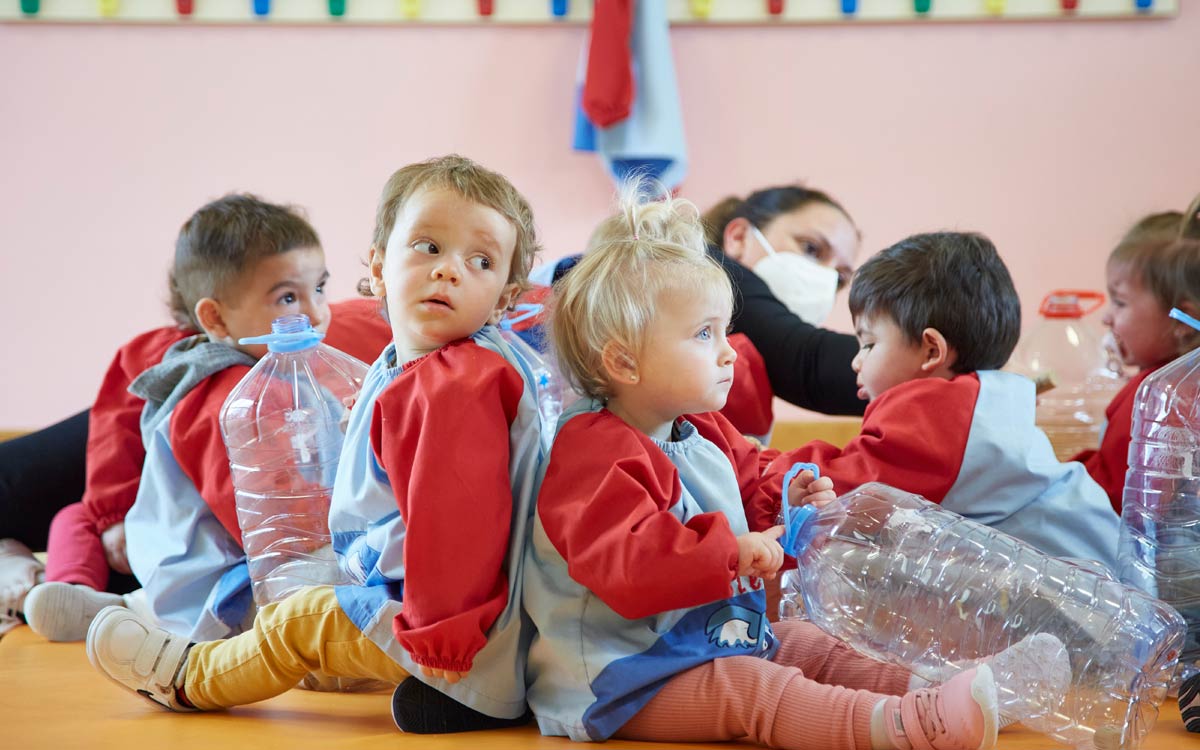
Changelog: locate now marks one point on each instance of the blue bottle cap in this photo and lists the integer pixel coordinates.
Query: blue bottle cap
(523, 312)
(289, 333)
(795, 518)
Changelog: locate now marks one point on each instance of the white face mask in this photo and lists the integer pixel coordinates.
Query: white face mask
(804, 286)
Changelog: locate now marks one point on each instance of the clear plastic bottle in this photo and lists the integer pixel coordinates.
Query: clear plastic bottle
(283, 429)
(909, 582)
(1066, 357)
(1160, 510)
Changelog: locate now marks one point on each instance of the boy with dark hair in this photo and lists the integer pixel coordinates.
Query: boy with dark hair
(239, 263)
(936, 315)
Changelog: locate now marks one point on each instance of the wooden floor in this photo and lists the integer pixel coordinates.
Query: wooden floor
(50, 697)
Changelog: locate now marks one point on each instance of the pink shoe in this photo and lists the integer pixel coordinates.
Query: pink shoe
(959, 715)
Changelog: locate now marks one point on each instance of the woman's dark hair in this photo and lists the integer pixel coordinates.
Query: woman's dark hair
(761, 207)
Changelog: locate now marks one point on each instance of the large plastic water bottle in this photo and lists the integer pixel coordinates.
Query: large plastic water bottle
(283, 429)
(1076, 379)
(1160, 534)
(909, 582)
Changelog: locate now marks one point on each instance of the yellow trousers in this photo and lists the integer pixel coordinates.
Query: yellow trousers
(306, 632)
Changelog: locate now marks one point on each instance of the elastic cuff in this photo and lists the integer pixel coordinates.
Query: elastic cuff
(449, 665)
(107, 521)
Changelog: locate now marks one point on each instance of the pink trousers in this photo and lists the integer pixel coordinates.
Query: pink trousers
(74, 552)
(816, 693)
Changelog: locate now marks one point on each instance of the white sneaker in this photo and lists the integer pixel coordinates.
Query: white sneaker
(139, 656)
(63, 611)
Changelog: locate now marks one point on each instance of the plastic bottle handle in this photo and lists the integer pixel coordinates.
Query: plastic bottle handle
(1082, 295)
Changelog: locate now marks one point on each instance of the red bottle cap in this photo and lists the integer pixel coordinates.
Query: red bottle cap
(1070, 303)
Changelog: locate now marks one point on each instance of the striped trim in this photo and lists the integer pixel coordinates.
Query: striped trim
(1189, 703)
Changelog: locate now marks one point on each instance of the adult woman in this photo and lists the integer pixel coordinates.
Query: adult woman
(788, 250)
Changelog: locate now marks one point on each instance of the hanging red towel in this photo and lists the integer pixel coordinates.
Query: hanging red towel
(608, 87)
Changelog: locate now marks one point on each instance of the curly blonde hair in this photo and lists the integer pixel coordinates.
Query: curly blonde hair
(654, 243)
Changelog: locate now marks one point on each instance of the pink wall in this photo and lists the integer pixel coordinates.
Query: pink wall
(1050, 137)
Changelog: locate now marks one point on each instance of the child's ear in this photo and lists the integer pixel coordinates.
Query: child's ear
(734, 238)
(619, 363)
(208, 315)
(936, 351)
(1184, 332)
(507, 298)
(375, 272)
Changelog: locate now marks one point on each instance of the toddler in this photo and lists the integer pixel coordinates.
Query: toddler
(645, 568)
(1155, 267)
(432, 497)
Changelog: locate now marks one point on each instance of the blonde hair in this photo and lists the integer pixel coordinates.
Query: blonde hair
(471, 181)
(654, 243)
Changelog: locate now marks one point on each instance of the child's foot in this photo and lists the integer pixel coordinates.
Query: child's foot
(63, 611)
(139, 656)
(1189, 703)
(959, 715)
(19, 572)
(420, 709)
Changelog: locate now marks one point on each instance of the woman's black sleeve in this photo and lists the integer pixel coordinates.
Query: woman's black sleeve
(40, 474)
(807, 366)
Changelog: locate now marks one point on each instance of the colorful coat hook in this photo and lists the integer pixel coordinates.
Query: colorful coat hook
(410, 8)
(775, 7)
(849, 7)
(486, 7)
(922, 6)
(1144, 5)
(700, 8)
(30, 7)
(1070, 6)
(184, 7)
(558, 8)
(337, 8)
(110, 8)
(995, 7)
(262, 8)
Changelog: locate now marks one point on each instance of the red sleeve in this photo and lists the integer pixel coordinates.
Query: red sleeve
(115, 452)
(358, 328)
(749, 405)
(441, 432)
(1108, 464)
(199, 448)
(913, 437)
(604, 506)
(760, 496)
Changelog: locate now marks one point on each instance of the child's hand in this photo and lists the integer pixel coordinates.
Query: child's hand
(113, 539)
(759, 553)
(445, 674)
(808, 491)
